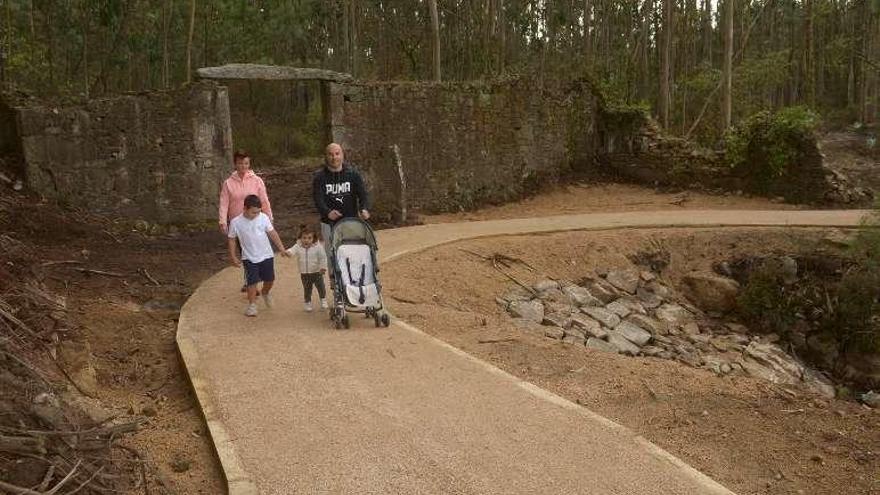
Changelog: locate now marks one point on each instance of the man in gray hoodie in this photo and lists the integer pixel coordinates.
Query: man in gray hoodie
(339, 192)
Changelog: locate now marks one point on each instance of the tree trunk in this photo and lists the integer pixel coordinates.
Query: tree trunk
(647, 11)
(189, 40)
(166, 59)
(502, 35)
(809, 54)
(588, 44)
(707, 32)
(435, 37)
(353, 32)
(727, 72)
(85, 50)
(666, 42)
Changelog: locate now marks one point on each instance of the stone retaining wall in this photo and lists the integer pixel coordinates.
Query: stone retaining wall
(158, 156)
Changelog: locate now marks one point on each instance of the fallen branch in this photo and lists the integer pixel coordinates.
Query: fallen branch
(500, 258)
(654, 394)
(64, 481)
(496, 341)
(110, 235)
(100, 272)
(61, 262)
(86, 482)
(514, 279)
(6, 312)
(146, 274)
(17, 490)
(47, 478)
(404, 300)
(103, 430)
(22, 445)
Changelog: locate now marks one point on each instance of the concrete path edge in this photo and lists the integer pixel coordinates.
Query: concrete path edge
(239, 482)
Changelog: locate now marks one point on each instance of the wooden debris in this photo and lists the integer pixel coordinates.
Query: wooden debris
(496, 341)
(100, 272)
(146, 274)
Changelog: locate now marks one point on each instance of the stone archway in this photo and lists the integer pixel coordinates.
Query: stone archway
(257, 72)
(287, 175)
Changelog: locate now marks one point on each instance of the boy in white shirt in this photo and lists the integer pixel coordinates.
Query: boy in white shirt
(254, 230)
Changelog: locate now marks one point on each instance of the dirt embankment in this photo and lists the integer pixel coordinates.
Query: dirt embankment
(751, 435)
(116, 293)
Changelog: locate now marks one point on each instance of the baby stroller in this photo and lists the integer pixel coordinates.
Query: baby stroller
(353, 261)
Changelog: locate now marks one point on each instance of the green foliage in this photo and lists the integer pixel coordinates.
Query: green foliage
(765, 146)
(867, 242)
(618, 117)
(845, 307)
(765, 301)
(854, 311)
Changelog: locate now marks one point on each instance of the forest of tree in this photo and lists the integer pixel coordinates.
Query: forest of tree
(697, 64)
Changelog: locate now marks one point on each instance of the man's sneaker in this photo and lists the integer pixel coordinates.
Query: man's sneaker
(251, 310)
(324, 304)
(268, 300)
(308, 307)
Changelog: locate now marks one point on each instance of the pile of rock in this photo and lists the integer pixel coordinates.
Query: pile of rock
(634, 313)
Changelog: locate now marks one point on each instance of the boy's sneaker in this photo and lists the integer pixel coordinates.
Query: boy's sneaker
(308, 307)
(251, 310)
(244, 289)
(268, 300)
(324, 304)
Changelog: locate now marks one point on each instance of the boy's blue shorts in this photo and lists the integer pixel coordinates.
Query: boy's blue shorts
(263, 271)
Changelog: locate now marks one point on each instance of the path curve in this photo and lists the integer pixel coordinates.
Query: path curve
(295, 407)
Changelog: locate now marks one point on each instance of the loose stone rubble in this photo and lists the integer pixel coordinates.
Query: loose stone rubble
(635, 314)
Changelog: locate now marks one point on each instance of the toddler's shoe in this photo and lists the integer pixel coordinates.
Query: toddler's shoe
(268, 300)
(308, 307)
(251, 310)
(324, 304)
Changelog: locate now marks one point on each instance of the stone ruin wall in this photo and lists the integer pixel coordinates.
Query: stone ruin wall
(463, 145)
(158, 156)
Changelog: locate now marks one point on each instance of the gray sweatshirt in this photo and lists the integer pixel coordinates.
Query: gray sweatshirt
(312, 259)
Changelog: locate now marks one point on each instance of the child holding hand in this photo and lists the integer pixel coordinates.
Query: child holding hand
(312, 261)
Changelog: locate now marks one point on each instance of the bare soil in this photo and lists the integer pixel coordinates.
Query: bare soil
(129, 321)
(592, 197)
(750, 435)
(850, 154)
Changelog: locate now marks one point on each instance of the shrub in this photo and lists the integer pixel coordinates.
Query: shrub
(853, 310)
(766, 146)
(867, 243)
(765, 301)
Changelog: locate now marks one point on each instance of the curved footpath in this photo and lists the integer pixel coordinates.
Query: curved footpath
(296, 407)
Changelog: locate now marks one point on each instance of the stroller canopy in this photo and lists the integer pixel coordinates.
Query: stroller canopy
(353, 231)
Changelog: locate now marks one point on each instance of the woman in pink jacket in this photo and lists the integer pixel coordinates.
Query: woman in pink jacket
(242, 183)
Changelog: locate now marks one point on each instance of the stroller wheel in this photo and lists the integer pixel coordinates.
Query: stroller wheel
(376, 319)
(386, 320)
(345, 322)
(337, 324)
